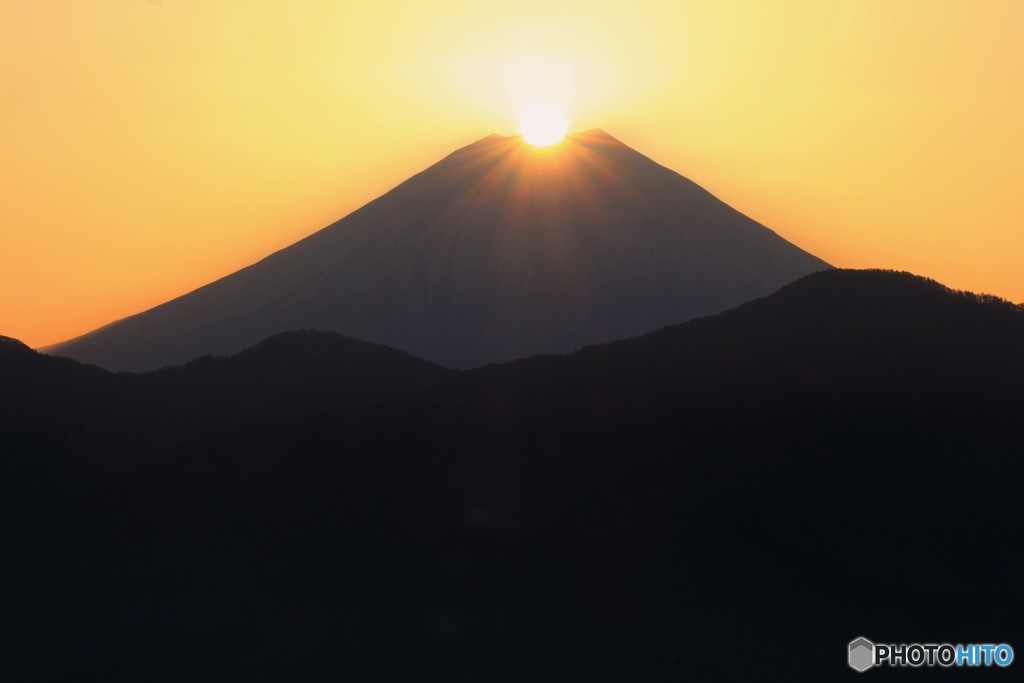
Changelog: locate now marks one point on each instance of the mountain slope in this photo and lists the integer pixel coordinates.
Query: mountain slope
(498, 251)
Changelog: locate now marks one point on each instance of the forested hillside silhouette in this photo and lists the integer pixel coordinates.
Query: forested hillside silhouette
(841, 458)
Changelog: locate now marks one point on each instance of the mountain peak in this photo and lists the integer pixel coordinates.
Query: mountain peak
(595, 134)
(493, 137)
(10, 342)
(11, 348)
(589, 136)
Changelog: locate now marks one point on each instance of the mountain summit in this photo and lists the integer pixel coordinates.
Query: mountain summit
(500, 250)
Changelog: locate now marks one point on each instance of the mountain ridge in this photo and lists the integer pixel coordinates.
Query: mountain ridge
(794, 466)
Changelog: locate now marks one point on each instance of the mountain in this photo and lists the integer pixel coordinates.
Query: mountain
(499, 251)
(50, 405)
(292, 373)
(841, 458)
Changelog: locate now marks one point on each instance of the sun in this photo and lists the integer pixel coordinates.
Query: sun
(543, 125)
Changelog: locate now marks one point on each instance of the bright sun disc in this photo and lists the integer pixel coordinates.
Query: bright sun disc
(543, 125)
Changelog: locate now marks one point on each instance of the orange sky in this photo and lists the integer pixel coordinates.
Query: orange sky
(149, 147)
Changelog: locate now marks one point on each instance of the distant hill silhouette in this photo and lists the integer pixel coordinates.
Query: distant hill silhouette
(499, 251)
(841, 458)
(294, 373)
(50, 405)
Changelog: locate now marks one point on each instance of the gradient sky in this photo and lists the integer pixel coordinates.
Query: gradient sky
(150, 146)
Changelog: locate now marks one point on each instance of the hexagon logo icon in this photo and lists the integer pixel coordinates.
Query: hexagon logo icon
(862, 654)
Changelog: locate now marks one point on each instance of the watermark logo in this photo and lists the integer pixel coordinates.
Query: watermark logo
(863, 654)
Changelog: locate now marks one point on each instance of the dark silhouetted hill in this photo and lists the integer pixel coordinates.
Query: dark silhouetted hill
(839, 459)
(292, 373)
(499, 251)
(64, 422)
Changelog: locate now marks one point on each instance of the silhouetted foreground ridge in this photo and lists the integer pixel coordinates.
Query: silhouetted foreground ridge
(841, 458)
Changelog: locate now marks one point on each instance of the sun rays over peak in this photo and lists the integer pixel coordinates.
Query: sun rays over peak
(543, 124)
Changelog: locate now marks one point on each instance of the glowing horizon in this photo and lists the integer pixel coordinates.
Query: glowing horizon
(153, 147)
